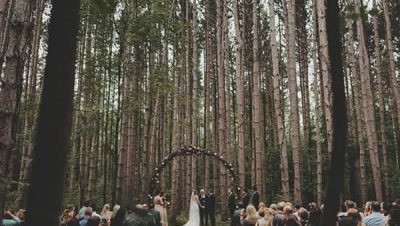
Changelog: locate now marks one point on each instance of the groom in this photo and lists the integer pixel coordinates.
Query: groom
(210, 207)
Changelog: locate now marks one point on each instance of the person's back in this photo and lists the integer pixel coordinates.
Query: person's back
(138, 217)
(375, 218)
(9, 219)
(155, 215)
(119, 217)
(279, 217)
(347, 221)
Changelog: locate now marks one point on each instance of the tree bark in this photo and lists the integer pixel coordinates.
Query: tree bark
(294, 112)
(394, 87)
(367, 99)
(11, 86)
(257, 120)
(326, 80)
(55, 116)
(284, 167)
(381, 102)
(336, 170)
(240, 93)
(26, 167)
(359, 120)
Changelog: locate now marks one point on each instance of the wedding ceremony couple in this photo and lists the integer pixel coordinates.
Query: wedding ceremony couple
(202, 208)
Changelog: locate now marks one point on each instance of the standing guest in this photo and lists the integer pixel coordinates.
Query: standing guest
(385, 210)
(261, 215)
(203, 213)
(68, 218)
(255, 198)
(138, 216)
(88, 213)
(279, 218)
(21, 216)
(375, 218)
(347, 221)
(265, 215)
(261, 205)
(9, 219)
(291, 220)
(94, 210)
(355, 215)
(231, 203)
(386, 207)
(210, 207)
(93, 221)
(287, 211)
(302, 215)
(273, 207)
(251, 217)
(393, 219)
(160, 206)
(314, 215)
(155, 215)
(367, 209)
(106, 214)
(245, 199)
(86, 204)
(118, 216)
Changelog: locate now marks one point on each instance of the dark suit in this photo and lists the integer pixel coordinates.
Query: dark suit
(203, 214)
(236, 218)
(245, 201)
(210, 208)
(231, 204)
(155, 216)
(255, 200)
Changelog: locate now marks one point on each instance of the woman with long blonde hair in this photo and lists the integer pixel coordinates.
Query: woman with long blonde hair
(252, 216)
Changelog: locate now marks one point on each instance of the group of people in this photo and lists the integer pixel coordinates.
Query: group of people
(245, 210)
(251, 212)
(152, 214)
(202, 208)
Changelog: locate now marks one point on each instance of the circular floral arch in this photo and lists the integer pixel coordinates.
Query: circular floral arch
(188, 151)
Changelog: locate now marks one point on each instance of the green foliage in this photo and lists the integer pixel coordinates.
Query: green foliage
(374, 11)
(103, 6)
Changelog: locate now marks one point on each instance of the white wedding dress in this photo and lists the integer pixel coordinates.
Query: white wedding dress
(194, 212)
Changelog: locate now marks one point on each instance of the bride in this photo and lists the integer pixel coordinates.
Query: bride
(194, 210)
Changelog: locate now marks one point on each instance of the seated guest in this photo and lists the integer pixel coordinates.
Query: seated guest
(93, 221)
(9, 219)
(375, 218)
(251, 217)
(355, 215)
(86, 216)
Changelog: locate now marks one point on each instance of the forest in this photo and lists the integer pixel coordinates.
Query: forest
(248, 81)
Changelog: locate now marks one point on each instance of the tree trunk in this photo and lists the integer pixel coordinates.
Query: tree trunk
(284, 167)
(175, 143)
(11, 87)
(294, 112)
(196, 101)
(336, 170)
(367, 99)
(240, 93)
(326, 80)
(6, 7)
(257, 121)
(394, 87)
(359, 120)
(26, 168)
(381, 103)
(55, 116)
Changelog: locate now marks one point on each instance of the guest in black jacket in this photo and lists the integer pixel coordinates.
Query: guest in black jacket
(210, 207)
